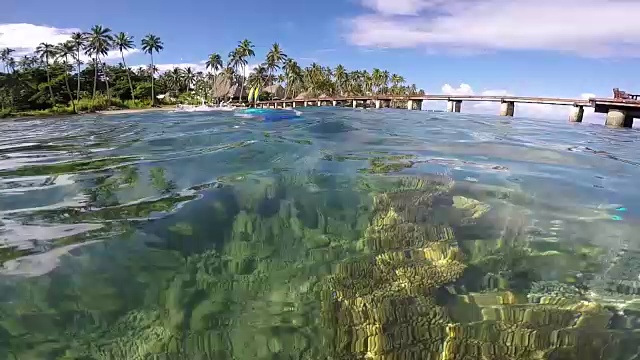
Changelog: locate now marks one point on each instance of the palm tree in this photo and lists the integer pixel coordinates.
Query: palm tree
(229, 74)
(275, 56)
(367, 83)
(124, 42)
(175, 79)
(340, 74)
(63, 52)
(25, 62)
(376, 80)
(236, 61)
(396, 83)
(214, 64)
(199, 87)
(9, 65)
(244, 50)
(5, 55)
(258, 77)
(288, 68)
(46, 52)
(189, 78)
(99, 42)
(385, 81)
(78, 40)
(152, 43)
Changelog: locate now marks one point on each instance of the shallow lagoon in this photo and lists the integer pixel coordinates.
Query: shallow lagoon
(345, 234)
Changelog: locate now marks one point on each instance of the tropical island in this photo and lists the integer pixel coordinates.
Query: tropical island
(73, 77)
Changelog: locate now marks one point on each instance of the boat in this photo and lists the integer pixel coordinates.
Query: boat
(269, 115)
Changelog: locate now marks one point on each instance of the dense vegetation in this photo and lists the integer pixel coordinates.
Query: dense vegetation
(55, 79)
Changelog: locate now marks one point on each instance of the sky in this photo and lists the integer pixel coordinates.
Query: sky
(550, 48)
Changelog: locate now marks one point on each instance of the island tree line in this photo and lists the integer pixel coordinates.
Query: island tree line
(73, 76)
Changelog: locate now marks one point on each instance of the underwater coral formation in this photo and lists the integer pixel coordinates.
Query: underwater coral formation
(319, 267)
(407, 298)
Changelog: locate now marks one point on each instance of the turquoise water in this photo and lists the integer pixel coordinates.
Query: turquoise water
(344, 234)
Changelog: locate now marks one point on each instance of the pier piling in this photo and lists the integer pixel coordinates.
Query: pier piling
(577, 113)
(454, 105)
(618, 118)
(507, 108)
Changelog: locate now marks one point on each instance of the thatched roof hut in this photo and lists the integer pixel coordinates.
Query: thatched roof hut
(303, 96)
(276, 91)
(223, 88)
(236, 91)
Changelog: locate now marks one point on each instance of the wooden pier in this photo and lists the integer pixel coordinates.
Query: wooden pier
(620, 112)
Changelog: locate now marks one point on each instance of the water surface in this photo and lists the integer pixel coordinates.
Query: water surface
(345, 234)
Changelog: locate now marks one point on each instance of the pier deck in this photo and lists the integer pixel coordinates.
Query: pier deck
(620, 112)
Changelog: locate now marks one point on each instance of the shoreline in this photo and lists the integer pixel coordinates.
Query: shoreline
(100, 112)
(134, 111)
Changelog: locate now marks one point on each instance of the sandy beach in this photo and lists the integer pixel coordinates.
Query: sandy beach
(134, 111)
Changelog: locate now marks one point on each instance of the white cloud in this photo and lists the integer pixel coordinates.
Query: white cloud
(495, 93)
(112, 56)
(196, 67)
(24, 38)
(249, 69)
(522, 109)
(584, 27)
(400, 7)
(463, 89)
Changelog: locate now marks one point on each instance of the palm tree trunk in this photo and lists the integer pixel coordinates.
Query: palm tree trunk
(243, 80)
(66, 80)
(78, 93)
(12, 84)
(106, 81)
(214, 99)
(53, 102)
(95, 79)
(153, 97)
(128, 76)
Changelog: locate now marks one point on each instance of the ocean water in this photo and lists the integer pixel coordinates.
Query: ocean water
(343, 234)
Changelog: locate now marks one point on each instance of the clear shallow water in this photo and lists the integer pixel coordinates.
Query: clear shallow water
(344, 234)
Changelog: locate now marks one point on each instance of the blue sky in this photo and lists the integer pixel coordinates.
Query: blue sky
(563, 48)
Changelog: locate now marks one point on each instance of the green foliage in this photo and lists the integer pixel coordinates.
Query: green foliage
(5, 113)
(38, 83)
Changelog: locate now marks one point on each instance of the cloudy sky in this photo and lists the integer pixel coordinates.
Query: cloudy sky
(564, 48)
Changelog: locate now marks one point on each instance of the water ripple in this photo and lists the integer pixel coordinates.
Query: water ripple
(109, 221)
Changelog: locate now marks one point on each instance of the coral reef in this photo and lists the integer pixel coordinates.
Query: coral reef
(313, 266)
(408, 296)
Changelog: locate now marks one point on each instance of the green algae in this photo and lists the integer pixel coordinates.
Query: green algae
(69, 167)
(158, 179)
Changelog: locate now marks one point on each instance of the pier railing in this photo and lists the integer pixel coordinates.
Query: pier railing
(620, 112)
